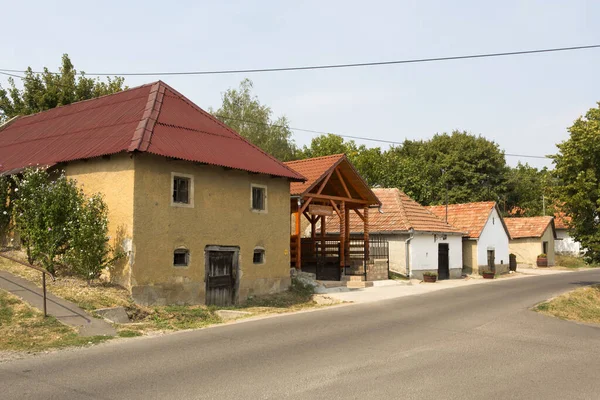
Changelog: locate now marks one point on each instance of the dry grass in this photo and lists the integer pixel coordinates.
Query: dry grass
(88, 297)
(572, 262)
(23, 328)
(581, 305)
(153, 319)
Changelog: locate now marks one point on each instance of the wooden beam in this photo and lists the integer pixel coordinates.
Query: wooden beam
(359, 214)
(366, 233)
(327, 197)
(298, 249)
(343, 228)
(306, 203)
(324, 182)
(339, 175)
(337, 210)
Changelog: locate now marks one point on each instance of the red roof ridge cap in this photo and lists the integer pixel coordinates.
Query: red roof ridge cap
(408, 224)
(312, 159)
(209, 115)
(143, 133)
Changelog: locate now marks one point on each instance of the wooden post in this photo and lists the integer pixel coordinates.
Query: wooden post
(343, 229)
(323, 232)
(298, 247)
(366, 232)
(347, 222)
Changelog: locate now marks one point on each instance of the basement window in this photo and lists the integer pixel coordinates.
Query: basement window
(259, 256)
(258, 198)
(181, 258)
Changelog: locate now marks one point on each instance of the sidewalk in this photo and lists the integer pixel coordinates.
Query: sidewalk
(64, 311)
(393, 289)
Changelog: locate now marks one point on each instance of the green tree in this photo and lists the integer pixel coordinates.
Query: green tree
(47, 90)
(5, 207)
(244, 113)
(577, 168)
(528, 191)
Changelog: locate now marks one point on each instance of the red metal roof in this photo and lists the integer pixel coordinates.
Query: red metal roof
(152, 118)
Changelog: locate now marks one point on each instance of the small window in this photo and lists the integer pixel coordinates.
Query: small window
(545, 247)
(181, 258)
(259, 198)
(259, 256)
(181, 190)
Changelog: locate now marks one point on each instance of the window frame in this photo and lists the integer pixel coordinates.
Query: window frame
(187, 254)
(265, 195)
(190, 203)
(263, 253)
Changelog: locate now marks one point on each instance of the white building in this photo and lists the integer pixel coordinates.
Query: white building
(485, 244)
(564, 243)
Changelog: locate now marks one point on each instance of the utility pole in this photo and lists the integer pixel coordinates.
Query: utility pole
(446, 180)
(543, 205)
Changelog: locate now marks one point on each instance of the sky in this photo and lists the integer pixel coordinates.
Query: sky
(523, 103)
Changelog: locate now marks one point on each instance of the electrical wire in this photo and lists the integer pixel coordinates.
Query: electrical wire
(331, 66)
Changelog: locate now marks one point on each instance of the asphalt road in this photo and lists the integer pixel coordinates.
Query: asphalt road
(475, 342)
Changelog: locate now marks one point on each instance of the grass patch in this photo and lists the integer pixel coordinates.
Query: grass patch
(23, 328)
(297, 297)
(129, 333)
(581, 305)
(573, 262)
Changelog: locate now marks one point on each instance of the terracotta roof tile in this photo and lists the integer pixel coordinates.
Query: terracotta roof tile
(561, 220)
(153, 118)
(399, 214)
(468, 217)
(526, 227)
(313, 170)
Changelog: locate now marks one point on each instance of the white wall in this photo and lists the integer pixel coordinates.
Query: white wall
(424, 251)
(493, 237)
(397, 251)
(567, 245)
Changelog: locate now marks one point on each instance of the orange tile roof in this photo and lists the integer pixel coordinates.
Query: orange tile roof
(561, 220)
(312, 169)
(468, 217)
(399, 214)
(527, 227)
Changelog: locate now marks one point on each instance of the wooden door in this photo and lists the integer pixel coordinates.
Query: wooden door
(443, 261)
(220, 277)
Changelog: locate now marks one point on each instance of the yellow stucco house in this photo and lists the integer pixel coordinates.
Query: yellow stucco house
(202, 214)
(530, 237)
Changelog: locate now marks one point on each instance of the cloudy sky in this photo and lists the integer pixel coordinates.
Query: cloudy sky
(524, 103)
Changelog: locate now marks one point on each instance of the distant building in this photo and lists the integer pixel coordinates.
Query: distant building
(564, 243)
(530, 237)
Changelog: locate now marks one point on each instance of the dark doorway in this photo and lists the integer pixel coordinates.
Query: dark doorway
(443, 261)
(221, 273)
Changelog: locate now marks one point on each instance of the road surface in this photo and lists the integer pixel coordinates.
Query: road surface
(475, 342)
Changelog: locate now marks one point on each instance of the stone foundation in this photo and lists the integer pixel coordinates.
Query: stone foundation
(378, 271)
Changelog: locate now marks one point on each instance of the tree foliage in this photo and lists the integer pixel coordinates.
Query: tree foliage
(5, 206)
(59, 226)
(243, 112)
(47, 90)
(577, 168)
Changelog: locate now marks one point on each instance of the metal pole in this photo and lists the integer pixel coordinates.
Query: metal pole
(44, 288)
(543, 205)
(446, 202)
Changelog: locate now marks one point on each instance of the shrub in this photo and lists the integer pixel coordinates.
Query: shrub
(543, 255)
(5, 205)
(430, 273)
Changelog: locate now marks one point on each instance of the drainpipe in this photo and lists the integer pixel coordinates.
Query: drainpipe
(411, 232)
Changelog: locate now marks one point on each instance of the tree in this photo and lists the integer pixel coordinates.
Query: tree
(577, 168)
(528, 191)
(47, 90)
(244, 113)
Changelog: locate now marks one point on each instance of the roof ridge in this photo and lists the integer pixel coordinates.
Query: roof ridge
(143, 133)
(86, 100)
(314, 158)
(407, 223)
(240, 137)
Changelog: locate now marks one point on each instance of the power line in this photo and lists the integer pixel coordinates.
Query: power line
(346, 136)
(320, 132)
(331, 66)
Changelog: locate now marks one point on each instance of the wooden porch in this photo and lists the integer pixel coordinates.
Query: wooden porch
(335, 190)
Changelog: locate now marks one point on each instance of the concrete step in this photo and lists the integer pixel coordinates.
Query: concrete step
(353, 278)
(358, 284)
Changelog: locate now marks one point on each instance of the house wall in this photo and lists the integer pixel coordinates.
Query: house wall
(397, 251)
(221, 215)
(493, 237)
(566, 244)
(112, 176)
(469, 251)
(527, 249)
(424, 254)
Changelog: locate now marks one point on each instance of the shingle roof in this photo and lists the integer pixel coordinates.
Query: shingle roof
(399, 214)
(317, 169)
(468, 217)
(152, 118)
(561, 220)
(313, 169)
(528, 227)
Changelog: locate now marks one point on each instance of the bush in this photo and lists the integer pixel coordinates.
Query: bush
(59, 226)
(429, 273)
(5, 205)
